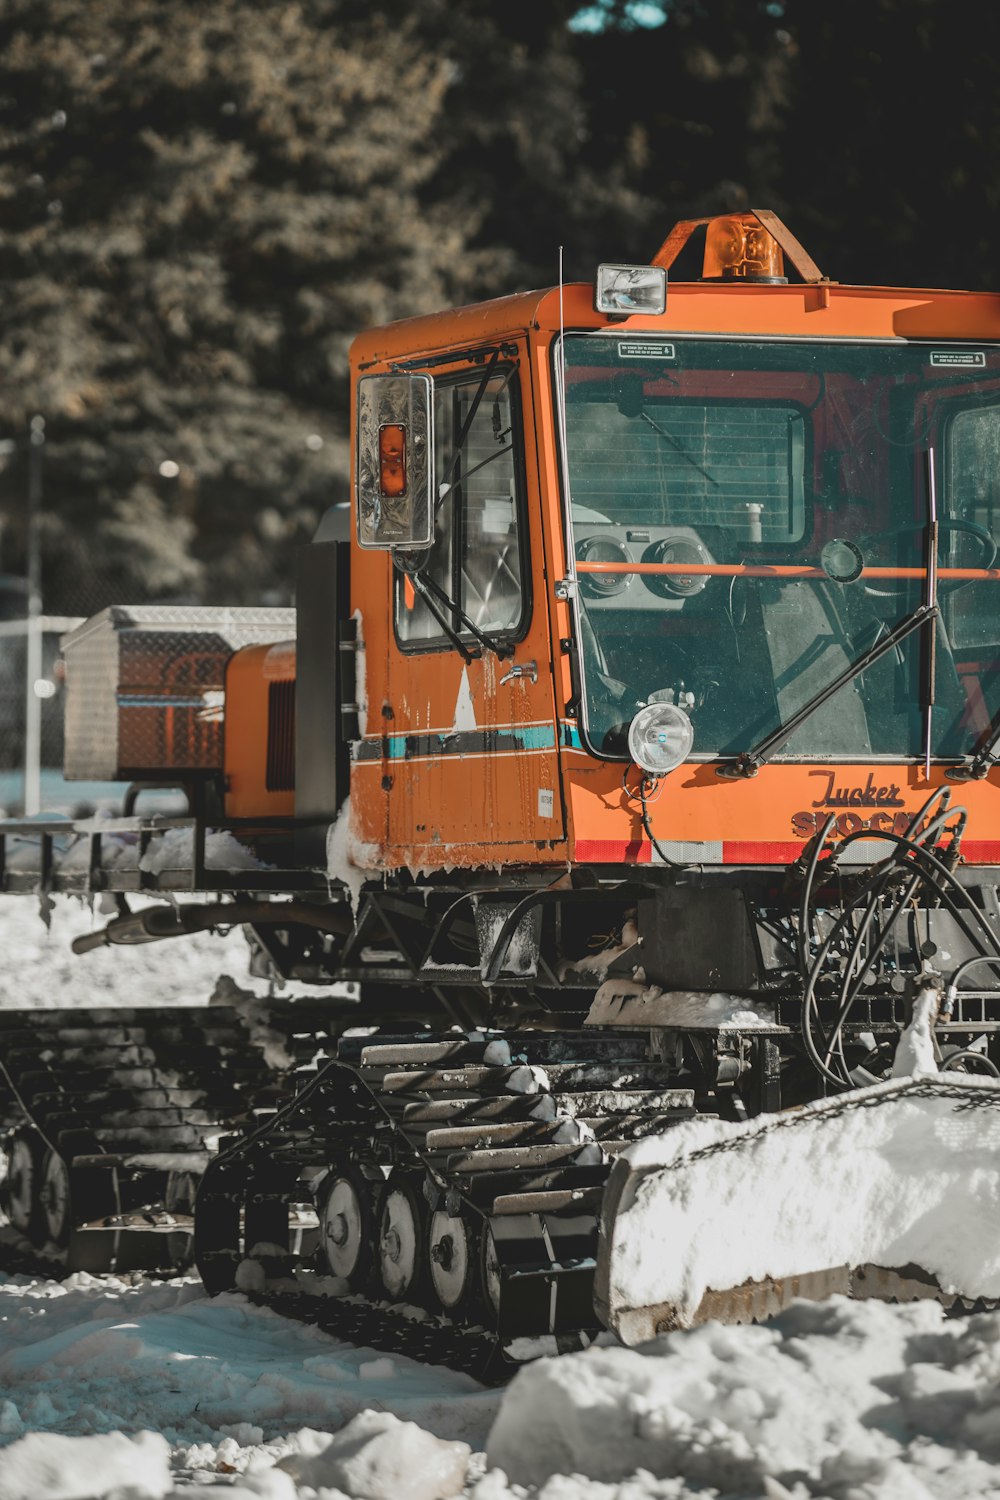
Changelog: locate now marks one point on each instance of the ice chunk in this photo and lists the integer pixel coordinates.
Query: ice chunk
(915, 1052)
(67, 1468)
(250, 1276)
(528, 1079)
(378, 1457)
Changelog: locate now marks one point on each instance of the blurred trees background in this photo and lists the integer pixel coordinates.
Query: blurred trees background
(203, 201)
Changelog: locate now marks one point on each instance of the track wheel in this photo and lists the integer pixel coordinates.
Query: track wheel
(55, 1199)
(401, 1240)
(453, 1256)
(489, 1277)
(24, 1170)
(347, 1224)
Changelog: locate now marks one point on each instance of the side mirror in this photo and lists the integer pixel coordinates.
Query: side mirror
(395, 461)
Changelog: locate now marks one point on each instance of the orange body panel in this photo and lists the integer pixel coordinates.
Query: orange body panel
(700, 817)
(463, 767)
(259, 736)
(484, 809)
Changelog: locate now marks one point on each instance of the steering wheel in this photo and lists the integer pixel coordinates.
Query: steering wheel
(883, 588)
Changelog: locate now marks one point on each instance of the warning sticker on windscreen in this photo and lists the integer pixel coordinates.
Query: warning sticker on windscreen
(646, 351)
(966, 359)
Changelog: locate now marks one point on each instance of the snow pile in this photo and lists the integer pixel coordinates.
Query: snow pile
(44, 1464)
(378, 1457)
(853, 1401)
(174, 850)
(231, 1387)
(906, 1172)
(839, 1400)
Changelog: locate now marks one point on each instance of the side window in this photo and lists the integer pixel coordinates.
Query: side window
(476, 559)
(972, 495)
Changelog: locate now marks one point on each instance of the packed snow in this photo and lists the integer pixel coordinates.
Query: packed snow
(118, 1388)
(110, 1391)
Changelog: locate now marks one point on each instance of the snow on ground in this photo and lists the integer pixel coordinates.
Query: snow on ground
(139, 1390)
(229, 1386)
(39, 970)
(843, 1400)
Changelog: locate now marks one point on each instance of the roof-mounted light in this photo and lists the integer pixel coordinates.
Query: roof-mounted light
(739, 248)
(660, 738)
(621, 291)
(733, 227)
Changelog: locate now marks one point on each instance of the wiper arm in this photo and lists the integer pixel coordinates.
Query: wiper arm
(430, 591)
(977, 766)
(749, 762)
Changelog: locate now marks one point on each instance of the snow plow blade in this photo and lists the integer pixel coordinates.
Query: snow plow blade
(891, 1191)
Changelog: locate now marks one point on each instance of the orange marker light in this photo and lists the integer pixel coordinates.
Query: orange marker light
(392, 459)
(739, 248)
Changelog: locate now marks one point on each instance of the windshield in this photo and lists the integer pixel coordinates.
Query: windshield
(709, 482)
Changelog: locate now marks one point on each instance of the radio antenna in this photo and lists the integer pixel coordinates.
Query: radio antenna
(561, 404)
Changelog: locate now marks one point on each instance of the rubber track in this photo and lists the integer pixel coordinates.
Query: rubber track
(452, 1112)
(117, 1093)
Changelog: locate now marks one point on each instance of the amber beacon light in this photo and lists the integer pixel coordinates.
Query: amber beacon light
(739, 248)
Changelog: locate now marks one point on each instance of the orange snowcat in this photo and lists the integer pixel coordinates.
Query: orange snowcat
(620, 808)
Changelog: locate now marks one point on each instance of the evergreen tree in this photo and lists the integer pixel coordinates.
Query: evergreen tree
(201, 203)
(693, 108)
(894, 134)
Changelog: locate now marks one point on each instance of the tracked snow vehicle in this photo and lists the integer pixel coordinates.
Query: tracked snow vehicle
(632, 762)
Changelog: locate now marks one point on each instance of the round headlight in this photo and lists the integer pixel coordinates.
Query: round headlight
(660, 738)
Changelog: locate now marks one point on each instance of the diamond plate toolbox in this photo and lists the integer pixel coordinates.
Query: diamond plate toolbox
(145, 686)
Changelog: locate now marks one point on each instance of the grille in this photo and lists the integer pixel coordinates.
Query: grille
(280, 775)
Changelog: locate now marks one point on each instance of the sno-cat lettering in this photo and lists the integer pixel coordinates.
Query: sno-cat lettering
(805, 824)
(868, 795)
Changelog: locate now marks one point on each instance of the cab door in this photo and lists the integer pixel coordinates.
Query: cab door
(473, 772)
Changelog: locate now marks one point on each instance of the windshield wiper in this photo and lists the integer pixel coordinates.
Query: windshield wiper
(433, 595)
(749, 762)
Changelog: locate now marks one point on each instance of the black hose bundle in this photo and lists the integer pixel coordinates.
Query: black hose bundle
(911, 873)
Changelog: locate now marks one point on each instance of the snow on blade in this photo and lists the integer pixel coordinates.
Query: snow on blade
(906, 1173)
